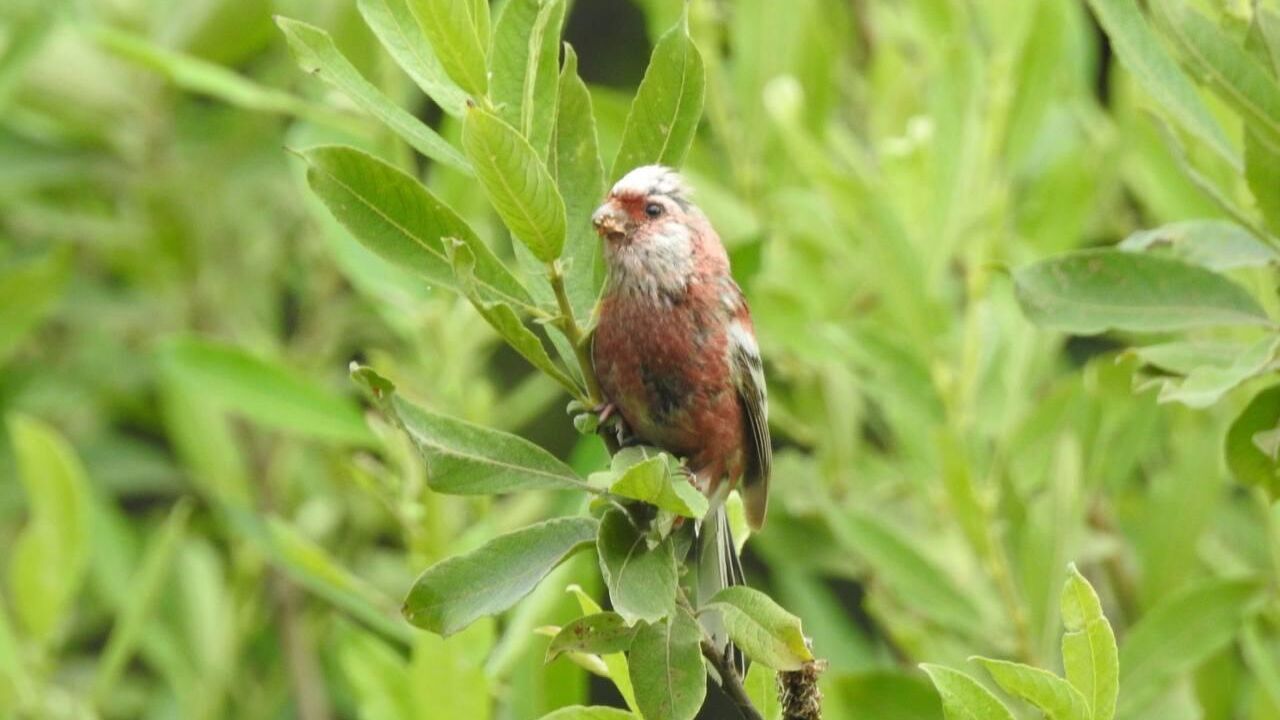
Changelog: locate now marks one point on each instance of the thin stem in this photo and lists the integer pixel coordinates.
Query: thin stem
(568, 324)
(730, 681)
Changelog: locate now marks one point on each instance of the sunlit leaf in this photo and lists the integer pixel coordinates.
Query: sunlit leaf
(523, 65)
(396, 27)
(455, 592)
(1048, 692)
(963, 698)
(764, 631)
(600, 634)
(668, 105)
(652, 480)
(1089, 652)
(459, 34)
(1213, 244)
(517, 183)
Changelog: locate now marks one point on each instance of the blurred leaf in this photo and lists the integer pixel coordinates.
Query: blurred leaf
(1251, 453)
(48, 559)
(206, 78)
(1177, 635)
(574, 162)
(1261, 659)
(317, 54)
(963, 698)
(311, 566)
(204, 441)
(1090, 291)
(764, 631)
(1213, 244)
(1048, 692)
(1225, 67)
(914, 579)
(1089, 652)
(459, 34)
(377, 675)
(877, 694)
(394, 24)
(466, 459)
(653, 481)
(600, 634)
(455, 592)
(265, 392)
(1262, 160)
(666, 668)
(761, 685)
(578, 712)
(393, 215)
(146, 586)
(517, 183)
(667, 107)
(641, 579)
(1184, 356)
(1205, 385)
(28, 292)
(1140, 51)
(448, 677)
(509, 325)
(523, 65)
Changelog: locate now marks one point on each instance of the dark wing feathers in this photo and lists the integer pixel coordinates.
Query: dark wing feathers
(748, 378)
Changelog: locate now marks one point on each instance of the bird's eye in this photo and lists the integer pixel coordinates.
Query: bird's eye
(653, 210)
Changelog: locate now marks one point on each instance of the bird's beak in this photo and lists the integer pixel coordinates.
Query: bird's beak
(611, 221)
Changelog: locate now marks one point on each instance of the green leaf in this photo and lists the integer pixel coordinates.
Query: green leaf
(1213, 244)
(459, 35)
(455, 592)
(600, 634)
(28, 292)
(668, 105)
(317, 54)
(574, 163)
(963, 698)
(619, 668)
(579, 712)
(517, 183)
(394, 24)
(1089, 652)
(264, 391)
(1224, 65)
(1048, 692)
(146, 586)
(654, 482)
(1177, 635)
(641, 579)
(467, 459)
(396, 217)
(1206, 384)
(666, 669)
(1252, 453)
(761, 685)
(48, 560)
(448, 676)
(1091, 291)
(526, 44)
(1140, 51)
(761, 628)
(883, 693)
(913, 578)
(508, 324)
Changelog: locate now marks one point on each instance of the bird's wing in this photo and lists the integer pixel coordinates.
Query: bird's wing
(748, 379)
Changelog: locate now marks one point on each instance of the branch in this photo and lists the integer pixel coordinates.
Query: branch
(582, 350)
(730, 681)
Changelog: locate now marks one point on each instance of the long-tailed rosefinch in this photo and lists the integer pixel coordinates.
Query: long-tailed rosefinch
(676, 353)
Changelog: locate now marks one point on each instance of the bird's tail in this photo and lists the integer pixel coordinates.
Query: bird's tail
(718, 567)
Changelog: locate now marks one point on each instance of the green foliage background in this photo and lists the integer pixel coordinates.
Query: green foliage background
(199, 519)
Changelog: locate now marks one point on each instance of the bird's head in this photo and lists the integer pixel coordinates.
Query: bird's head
(642, 205)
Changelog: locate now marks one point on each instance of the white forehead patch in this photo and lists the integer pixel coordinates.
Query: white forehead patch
(652, 179)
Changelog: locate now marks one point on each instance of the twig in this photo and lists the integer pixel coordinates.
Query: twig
(730, 681)
(568, 324)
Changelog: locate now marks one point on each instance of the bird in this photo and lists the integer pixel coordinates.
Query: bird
(675, 353)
